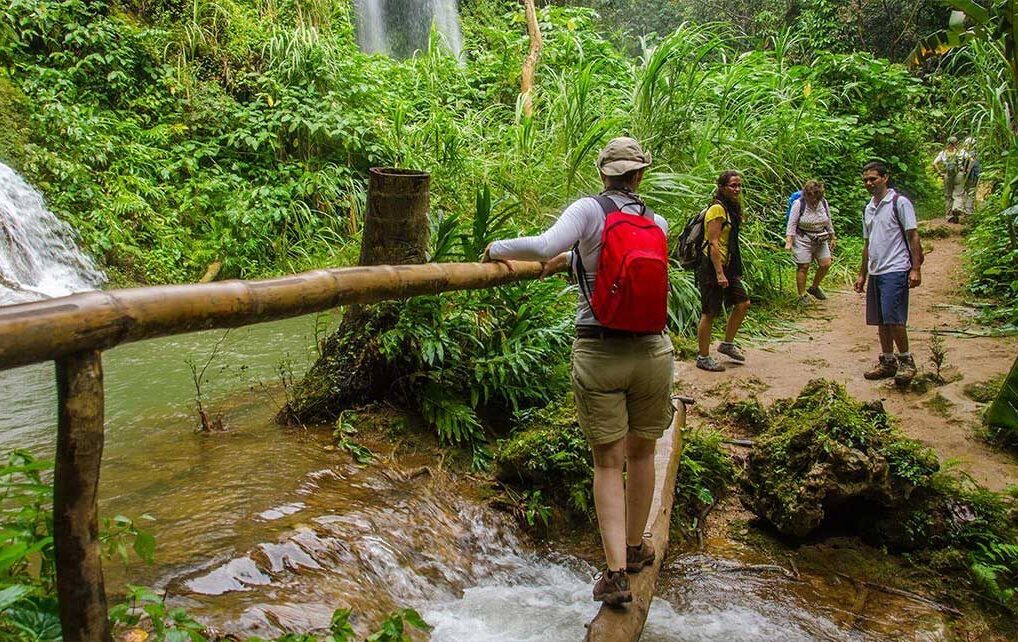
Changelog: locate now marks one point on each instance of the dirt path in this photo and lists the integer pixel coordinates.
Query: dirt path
(836, 344)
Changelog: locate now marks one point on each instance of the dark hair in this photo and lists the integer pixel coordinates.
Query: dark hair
(875, 166)
(622, 181)
(723, 178)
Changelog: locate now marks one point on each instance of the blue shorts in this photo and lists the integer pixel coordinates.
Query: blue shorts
(887, 299)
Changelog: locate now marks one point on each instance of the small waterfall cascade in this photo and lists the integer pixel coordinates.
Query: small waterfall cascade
(38, 256)
(401, 27)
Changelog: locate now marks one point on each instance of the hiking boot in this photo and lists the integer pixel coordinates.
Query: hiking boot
(885, 368)
(612, 588)
(639, 556)
(906, 370)
(817, 293)
(731, 351)
(709, 364)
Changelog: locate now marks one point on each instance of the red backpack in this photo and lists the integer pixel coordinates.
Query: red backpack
(631, 286)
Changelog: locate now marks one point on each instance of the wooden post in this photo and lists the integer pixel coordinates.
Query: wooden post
(80, 586)
(396, 225)
(351, 369)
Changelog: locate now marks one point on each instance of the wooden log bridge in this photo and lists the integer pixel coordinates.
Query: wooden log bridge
(626, 624)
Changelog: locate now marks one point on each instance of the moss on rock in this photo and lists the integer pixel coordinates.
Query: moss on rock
(823, 452)
(550, 453)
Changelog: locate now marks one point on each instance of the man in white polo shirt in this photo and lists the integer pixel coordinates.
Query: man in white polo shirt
(891, 259)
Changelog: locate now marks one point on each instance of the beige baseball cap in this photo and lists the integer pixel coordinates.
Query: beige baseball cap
(622, 155)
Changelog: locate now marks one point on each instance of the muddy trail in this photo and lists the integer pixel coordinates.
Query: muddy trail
(833, 342)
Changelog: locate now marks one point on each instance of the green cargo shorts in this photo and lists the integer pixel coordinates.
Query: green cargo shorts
(623, 386)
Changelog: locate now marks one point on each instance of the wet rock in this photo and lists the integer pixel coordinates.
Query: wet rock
(825, 457)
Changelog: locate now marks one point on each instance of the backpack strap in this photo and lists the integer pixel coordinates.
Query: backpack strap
(607, 204)
(901, 226)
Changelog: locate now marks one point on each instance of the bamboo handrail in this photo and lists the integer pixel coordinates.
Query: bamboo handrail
(63, 326)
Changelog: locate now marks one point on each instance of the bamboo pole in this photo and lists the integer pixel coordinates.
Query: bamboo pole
(626, 625)
(56, 328)
(80, 587)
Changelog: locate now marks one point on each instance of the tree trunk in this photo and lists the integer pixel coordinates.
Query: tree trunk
(530, 63)
(351, 369)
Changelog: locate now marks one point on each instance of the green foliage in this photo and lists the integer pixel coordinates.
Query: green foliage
(706, 475)
(28, 604)
(548, 455)
(992, 254)
(343, 433)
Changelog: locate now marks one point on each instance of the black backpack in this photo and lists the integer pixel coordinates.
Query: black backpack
(693, 239)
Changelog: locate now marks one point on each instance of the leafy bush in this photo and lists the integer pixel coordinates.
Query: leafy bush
(548, 453)
(706, 475)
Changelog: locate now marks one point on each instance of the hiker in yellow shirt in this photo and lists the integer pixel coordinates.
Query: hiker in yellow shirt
(719, 275)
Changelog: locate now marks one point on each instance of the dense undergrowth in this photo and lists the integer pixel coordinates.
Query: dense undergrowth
(241, 131)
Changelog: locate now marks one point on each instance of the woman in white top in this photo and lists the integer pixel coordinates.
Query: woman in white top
(810, 237)
(622, 381)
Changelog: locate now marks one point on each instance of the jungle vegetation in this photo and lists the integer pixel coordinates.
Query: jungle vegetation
(173, 134)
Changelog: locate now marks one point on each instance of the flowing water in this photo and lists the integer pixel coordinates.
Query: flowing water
(263, 529)
(38, 257)
(401, 27)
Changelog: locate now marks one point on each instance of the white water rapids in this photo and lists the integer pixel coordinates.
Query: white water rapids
(38, 257)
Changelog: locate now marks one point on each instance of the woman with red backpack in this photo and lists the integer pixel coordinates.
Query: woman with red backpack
(622, 364)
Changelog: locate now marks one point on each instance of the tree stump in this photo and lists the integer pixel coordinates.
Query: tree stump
(351, 369)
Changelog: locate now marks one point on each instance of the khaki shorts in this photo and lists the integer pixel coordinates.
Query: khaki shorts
(623, 386)
(805, 251)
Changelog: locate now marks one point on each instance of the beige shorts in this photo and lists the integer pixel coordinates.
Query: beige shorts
(623, 386)
(805, 251)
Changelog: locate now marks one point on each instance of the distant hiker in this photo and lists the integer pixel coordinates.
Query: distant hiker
(891, 259)
(950, 163)
(622, 359)
(719, 276)
(809, 234)
(973, 168)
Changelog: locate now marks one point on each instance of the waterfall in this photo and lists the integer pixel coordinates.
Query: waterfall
(38, 257)
(401, 27)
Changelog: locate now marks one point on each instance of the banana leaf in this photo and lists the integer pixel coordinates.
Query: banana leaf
(1004, 411)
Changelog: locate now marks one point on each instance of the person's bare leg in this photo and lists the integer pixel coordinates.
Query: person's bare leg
(735, 320)
(886, 339)
(703, 334)
(801, 271)
(823, 267)
(639, 486)
(610, 501)
(900, 335)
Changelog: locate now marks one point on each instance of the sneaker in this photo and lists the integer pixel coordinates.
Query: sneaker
(731, 351)
(817, 293)
(639, 556)
(906, 371)
(883, 370)
(804, 300)
(612, 588)
(709, 364)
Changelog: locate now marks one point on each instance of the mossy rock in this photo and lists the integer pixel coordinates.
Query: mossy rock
(549, 453)
(824, 454)
(15, 133)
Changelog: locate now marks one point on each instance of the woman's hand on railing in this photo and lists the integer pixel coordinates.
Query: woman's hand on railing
(558, 264)
(486, 258)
